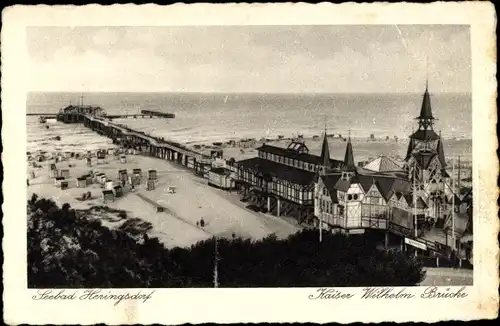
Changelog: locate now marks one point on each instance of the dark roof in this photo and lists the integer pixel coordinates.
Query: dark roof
(365, 181)
(349, 157)
(384, 186)
(421, 203)
(329, 181)
(423, 134)
(440, 152)
(424, 158)
(387, 186)
(325, 152)
(409, 199)
(411, 145)
(280, 171)
(426, 109)
(309, 158)
(343, 185)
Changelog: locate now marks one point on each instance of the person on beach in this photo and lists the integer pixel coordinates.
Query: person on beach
(202, 222)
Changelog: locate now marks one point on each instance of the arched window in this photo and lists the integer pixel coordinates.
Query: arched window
(355, 196)
(349, 197)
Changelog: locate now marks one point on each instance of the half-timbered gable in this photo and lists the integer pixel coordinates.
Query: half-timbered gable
(326, 201)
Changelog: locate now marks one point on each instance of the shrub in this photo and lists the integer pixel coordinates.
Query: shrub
(73, 251)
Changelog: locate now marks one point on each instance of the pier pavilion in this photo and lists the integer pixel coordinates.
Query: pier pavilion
(413, 203)
(281, 180)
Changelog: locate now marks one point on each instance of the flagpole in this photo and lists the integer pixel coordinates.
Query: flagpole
(320, 228)
(216, 266)
(453, 206)
(415, 200)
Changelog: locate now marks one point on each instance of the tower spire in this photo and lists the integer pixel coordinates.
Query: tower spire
(325, 152)
(349, 156)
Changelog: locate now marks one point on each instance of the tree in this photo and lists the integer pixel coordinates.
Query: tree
(72, 250)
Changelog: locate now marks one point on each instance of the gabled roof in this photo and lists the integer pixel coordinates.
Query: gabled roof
(382, 164)
(329, 181)
(343, 185)
(384, 186)
(365, 181)
(421, 203)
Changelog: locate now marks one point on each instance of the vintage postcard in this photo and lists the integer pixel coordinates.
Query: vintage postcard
(249, 163)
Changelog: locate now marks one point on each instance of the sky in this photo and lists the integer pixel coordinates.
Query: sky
(255, 59)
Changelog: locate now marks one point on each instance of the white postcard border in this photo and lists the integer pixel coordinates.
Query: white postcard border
(174, 306)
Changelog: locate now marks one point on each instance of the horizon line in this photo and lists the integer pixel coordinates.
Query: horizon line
(255, 93)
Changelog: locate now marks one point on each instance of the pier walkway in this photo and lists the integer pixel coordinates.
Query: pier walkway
(157, 147)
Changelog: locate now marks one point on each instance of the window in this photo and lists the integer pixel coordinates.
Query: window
(355, 196)
(324, 191)
(349, 197)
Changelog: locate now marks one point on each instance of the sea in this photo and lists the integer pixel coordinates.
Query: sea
(217, 117)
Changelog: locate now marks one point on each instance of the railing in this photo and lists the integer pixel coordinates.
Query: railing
(431, 245)
(205, 159)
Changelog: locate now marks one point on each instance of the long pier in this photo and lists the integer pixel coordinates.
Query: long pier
(156, 146)
(111, 116)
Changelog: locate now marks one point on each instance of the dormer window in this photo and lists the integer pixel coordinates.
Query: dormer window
(346, 175)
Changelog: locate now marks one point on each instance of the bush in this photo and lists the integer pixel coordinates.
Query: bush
(73, 251)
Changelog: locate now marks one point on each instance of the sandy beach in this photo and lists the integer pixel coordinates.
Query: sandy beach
(193, 199)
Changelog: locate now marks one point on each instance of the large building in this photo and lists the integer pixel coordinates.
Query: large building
(426, 165)
(354, 199)
(413, 202)
(281, 181)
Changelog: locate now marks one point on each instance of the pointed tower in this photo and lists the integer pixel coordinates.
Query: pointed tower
(425, 132)
(425, 160)
(349, 167)
(325, 155)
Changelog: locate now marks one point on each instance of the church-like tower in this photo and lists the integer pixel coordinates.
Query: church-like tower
(425, 162)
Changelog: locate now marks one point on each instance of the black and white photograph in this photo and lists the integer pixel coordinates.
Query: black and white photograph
(242, 163)
(249, 156)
